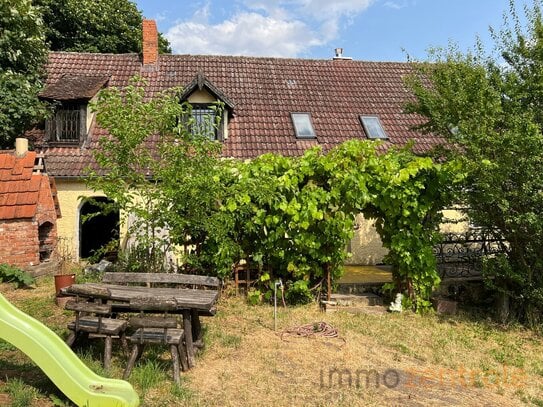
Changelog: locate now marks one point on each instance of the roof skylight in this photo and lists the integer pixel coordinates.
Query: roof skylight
(303, 126)
(373, 127)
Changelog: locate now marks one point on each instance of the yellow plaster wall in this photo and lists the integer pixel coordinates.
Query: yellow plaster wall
(201, 96)
(90, 114)
(454, 221)
(366, 247)
(69, 198)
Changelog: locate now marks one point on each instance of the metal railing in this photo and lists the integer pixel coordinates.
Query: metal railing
(460, 255)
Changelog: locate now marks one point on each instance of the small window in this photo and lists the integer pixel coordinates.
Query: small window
(302, 125)
(372, 127)
(204, 121)
(65, 126)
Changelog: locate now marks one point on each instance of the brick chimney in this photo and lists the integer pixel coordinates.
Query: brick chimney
(150, 42)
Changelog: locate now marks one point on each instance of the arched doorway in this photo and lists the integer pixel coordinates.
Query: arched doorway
(97, 227)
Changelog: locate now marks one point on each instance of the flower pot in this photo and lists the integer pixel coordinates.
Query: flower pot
(63, 280)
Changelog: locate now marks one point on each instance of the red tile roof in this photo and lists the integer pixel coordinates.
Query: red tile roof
(263, 91)
(19, 187)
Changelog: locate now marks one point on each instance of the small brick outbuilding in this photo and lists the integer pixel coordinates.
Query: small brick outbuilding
(28, 208)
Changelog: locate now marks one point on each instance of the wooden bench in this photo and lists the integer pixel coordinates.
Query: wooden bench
(157, 330)
(163, 279)
(193, 331)
(92, 320)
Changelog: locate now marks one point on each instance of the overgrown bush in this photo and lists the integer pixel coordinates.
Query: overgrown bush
(290, 215)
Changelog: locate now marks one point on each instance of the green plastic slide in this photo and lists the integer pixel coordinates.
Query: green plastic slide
(57, 360)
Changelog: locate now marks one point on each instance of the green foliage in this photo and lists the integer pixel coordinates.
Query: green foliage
(22, 55)
(490, 108)
(12, 274)
(142, 259)
(299, 293)
(289, 217)
(21, 393)
(124, 165)
(147, 375)
(254, 296)
(297, 214)
(109, 26)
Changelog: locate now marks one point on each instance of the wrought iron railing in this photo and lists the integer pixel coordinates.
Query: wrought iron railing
(460, 255)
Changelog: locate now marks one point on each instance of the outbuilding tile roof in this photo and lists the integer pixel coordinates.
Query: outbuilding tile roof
(19, 187)
(264, 92)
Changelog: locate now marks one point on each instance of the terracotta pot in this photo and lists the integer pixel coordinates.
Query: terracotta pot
(63, 280)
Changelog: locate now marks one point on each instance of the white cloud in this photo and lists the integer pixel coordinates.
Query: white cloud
(328, 10)
(397, 4)
(285, 28)
(243, 34)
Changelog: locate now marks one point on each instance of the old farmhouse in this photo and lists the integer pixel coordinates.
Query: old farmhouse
(272, 105)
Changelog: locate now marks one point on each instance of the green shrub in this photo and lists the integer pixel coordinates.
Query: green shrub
(299, 293)
(12, 274)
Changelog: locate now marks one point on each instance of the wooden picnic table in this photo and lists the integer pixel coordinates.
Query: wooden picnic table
(188, 302)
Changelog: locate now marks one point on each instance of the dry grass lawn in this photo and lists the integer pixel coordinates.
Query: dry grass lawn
(390, 359)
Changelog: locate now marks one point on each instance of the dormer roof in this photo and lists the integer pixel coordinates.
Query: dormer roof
(263, 92)
(200, 82)
(74, 87)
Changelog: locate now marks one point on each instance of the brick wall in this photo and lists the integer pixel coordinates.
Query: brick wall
(19, 242)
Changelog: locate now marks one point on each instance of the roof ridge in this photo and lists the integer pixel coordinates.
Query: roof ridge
(331, 60)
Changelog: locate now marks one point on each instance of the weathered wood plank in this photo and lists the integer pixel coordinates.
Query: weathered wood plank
(187, 325)
(185, 298)
(152, 322)
(87, 290)
(103, 309)
(104, 326)
(154, 303)
(150, 335)
(161, 278)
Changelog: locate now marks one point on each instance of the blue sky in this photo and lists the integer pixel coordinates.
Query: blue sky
(374, 30)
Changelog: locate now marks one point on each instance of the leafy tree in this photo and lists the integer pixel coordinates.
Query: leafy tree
(169, 191)
(22, 55)
(490, 109)
(109, 26)
(124, 163)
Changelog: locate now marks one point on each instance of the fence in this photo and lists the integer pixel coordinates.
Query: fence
(459, 255)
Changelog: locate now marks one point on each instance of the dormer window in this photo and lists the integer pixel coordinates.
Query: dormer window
(70, 96)
(204, 121)
(207, 103)
(67, 124)
(303, 126)
(373, 128)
